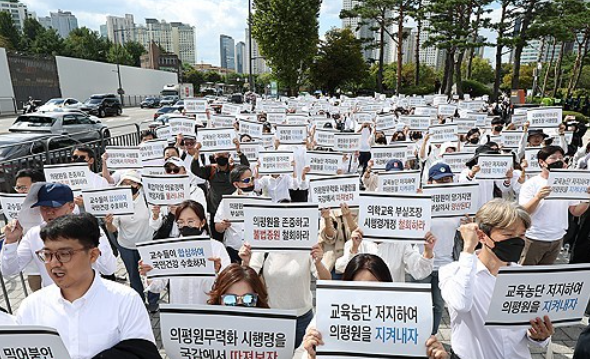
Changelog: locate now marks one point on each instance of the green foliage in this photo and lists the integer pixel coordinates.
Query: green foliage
(287, 33)
(339, 62)
(193, 76)
(579, 116)
(32, 29)
(84, 43)
(526, 78)
(9, 33)
(481, 70)
(48, 43)
(475, 88)
(119, 54)
(427, 77)
(135, 49)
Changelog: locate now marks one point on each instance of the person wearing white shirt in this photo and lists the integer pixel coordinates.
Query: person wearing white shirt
(55, 201)
(276, 186)
(550, 218)
(467, 286)
(92, 315)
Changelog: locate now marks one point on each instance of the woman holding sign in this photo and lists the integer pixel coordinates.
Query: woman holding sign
(237, 285)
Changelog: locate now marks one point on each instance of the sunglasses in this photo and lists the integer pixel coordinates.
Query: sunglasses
(175, 170)
(247, 180)
(246, 300)
(76, 158)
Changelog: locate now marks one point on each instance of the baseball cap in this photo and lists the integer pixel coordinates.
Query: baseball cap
(439, 170)
(175, 161)
(53, 195)
(394, 165)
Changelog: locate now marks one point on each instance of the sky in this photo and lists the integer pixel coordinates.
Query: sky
(211, 18)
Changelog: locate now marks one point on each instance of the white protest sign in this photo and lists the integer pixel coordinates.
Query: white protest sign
(291, 133)
(453, 200)
(394, 217)
(325, 138)
(216, 139)
(74, 175)
(31, 341)
(320, 122)
(416, 123)
(215, 331)
(323, 162)
(165, 132)
(275, 162)
(201, 118)
(166, 190)
(276, 117)
(518, 120)
(373, 319)
(363, 117)
(427, 111)
(347, 142)
(416, 101)
(178, 257)
(100, 202)
(268, 141)
(464, 125)
(218, 121)
(123, 158)
(544, 117)
(234, 206)
(153, 171)
(479, 117)
(297, 120)
(281, 227)
(457, 160)
(569, 185)
(524, 293)
(231, 110)
(12, 204)
(398, 181)
(558, 139)
(194, 105)
(253, 129)
(380, 155)
(439, 100)
(250, 149)
(330, 192)
(152, 150)
(385, 122)
(182, 125)
(493, 167)
(447, 110)
(511, 139)
(443, 133)
(530, 155)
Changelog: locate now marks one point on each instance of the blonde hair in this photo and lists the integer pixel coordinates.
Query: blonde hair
(501, 214)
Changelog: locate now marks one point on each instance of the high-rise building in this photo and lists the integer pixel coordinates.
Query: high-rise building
(103, 31)
(121, 30)
(227, 51)
(17, 10)
(183, 42)
(62, 21)
(259, 65)
(240, 53)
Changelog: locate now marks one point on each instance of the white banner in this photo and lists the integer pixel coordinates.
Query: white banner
(447, 110)
(494, 166)
(569, 185)
(380, 155)
(347, 142)
(165, 132)
(464, 125)
(427, 111)
(394, 217)
(178, 257)
(325, 138)
(457, 160)
(276, 117)
(152, 150)
(525, 293)
(218, 121)
(124, 158)
(74, 175)
(182, 125)
(216, 139)
(12, 204)
(511, 139)
(113, 200)
(230, 110)
(453, 200)
(363, 117)
(193, 105)
(416, 123)
(31, 342)
(166, 190)
(281, 227)
(443, 133)
(275, 162)
(234, 206)
(386, 122)
(544, 117)
(323, 162)
(530, 155)
(253, 129)
(330, 192)
(479, 117)
(373, 320)
(215, 331)
(250, 149)
(290, 134)
(297, 120)
(153, 171)
(398, 182)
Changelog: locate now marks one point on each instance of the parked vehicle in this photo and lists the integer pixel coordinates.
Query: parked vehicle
(103, 105)
(77, 124)
(181, 91)
(163, 110)
(60, 104)
(150, 102)
(168, 100)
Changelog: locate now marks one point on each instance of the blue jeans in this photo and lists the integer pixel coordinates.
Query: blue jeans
(302, 323)
(438, 304)
(130, 259)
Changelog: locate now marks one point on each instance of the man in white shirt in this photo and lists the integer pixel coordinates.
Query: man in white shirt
(86, 154)
(467, 286)
(550, 218)
(54, 201)
(92, 315)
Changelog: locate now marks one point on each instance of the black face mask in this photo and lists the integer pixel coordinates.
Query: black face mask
(222, 161)
(498, 128)
(134, 190)
(247, 189)
(509, 251)
(187, 231)
(474, 140)
(557, 165)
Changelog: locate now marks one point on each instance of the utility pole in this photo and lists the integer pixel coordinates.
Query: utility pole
(250, 77)
(120, 90)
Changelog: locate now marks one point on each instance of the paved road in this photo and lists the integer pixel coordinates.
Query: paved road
(119, 125)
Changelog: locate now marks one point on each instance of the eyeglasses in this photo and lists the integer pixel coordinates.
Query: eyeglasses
(62, 255)
(190, 223)
(76, 158)
(21, 188)
(247, 180)
(246, 300)
(175, 170)
(190, 143)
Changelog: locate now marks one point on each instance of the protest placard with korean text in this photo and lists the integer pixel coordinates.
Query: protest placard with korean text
(124, 157)
(544, 117)
(166, 190)
(380, 155)
(290, 134)
(275, 162)
(182, 125)
(152, 150)
(571, 185)
(31, 341)
(493, 166)
(253, 129)
(330, 192)
(12, 204)
(347, 142)
(234, 206)
(74, 175)
(453, 200)
(216, 139)
(443, 133)
(398, 181)
(323, 162)
(100, 202)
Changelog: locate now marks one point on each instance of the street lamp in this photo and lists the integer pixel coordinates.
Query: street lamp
(120, 90)
(250, 77)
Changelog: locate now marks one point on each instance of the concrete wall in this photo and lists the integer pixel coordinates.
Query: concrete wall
(6, 92)
(81, 78)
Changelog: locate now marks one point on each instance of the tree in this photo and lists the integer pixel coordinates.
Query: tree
(9, 32)
(580, 24)
(135, 49)
(527, 11)
(32, 29)
(481, 70)
(84, 43)
(287, 33)
(525, 75)
(119, 54)
(48, 43)
(194, 77)
(339, 62)
(504, 39)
